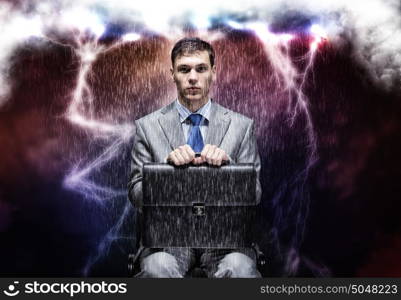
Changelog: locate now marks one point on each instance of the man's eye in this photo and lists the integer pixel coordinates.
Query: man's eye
(201, 69)
(183, 70)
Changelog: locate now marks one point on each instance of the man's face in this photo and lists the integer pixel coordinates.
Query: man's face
(193, 75)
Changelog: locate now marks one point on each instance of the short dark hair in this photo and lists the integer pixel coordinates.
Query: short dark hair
(191, 45)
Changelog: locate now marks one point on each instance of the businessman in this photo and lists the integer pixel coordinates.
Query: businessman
(191, 125)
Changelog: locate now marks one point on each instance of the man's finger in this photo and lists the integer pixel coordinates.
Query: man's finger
(219, 158)
(185, 154)
(180, 158)
(210, 154)
(171, 158)
(189, 149)
(205, 151)
(189, 152)
(198, 161)
(216, 156)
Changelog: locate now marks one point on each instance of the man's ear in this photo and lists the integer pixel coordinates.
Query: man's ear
(172, 73)
(214, 72)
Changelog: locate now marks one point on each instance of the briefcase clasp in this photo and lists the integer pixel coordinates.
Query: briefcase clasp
(198, 209)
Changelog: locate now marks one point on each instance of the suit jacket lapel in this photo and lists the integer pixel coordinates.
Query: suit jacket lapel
(170, 123)
(218, 125)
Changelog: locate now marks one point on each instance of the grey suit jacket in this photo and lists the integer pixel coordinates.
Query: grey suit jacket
(160, 132)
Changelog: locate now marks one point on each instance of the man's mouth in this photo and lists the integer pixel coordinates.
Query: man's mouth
(193, 90)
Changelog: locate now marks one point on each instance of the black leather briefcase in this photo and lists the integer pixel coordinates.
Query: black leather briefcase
(198, 206)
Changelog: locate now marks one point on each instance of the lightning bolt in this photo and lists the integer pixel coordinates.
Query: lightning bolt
(87, 46)
(81, 113)
(291, 80)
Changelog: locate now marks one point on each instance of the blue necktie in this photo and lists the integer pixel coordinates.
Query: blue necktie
(195, 137)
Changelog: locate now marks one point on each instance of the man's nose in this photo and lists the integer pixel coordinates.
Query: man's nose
(193, 77)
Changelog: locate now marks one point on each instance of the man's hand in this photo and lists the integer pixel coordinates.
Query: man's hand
(213, 155)
(184, 155)
(181, 156)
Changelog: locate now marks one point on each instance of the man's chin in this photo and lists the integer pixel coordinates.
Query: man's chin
(193, 98)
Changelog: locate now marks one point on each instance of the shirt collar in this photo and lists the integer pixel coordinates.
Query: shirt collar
(184, 112)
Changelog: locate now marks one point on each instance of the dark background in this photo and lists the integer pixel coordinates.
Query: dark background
(337, 215)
